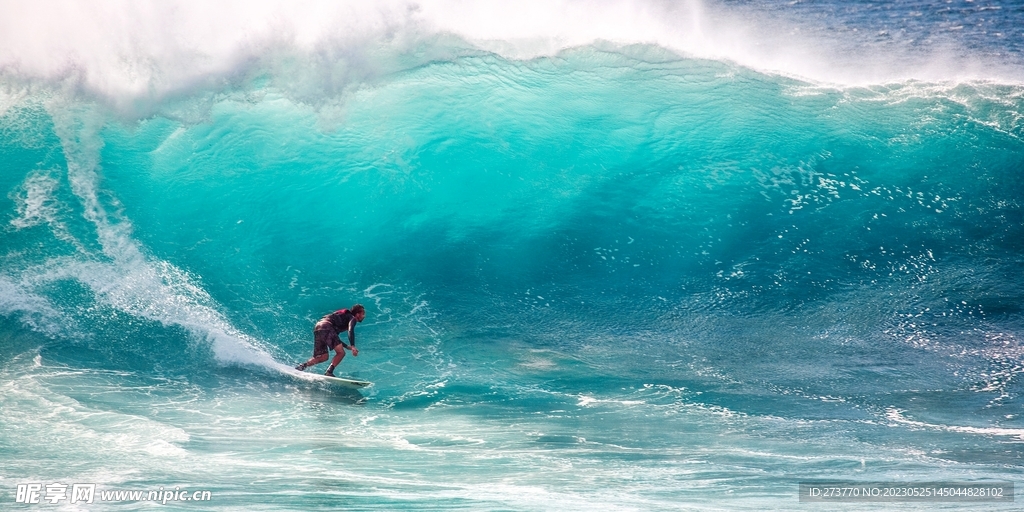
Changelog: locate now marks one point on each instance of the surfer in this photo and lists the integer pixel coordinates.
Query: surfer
(325, 337)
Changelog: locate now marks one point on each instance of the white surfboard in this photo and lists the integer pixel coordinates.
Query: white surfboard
(333, 381)
(340, 381)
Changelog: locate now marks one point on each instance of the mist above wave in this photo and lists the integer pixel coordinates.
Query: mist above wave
(135, 54)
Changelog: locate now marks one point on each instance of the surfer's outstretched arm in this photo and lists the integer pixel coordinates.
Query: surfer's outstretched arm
(352, 337)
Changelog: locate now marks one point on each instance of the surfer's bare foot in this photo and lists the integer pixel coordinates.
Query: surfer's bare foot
(329, 372)
(301, 367)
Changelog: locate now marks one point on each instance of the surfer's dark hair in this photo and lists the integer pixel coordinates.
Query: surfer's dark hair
(357, 309)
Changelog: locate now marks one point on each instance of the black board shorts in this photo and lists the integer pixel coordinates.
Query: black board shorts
(324, 340)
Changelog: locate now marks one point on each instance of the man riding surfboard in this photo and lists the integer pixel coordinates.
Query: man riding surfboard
(325, 337)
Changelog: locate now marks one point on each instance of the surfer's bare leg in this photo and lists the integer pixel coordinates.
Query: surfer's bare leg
(317, 359)
(323, 341)
(339, 354)
(312, 361)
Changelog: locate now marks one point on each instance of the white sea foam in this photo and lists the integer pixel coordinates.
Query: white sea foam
(896, 416)
(123, 277)
(131, 52)
(34, 310)
(37, 204)
(10, 97)
(33, 403)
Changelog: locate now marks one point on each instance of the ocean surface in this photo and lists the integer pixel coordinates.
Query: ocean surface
(615, 255)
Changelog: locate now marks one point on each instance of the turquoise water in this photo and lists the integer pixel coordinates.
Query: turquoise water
(615, 276)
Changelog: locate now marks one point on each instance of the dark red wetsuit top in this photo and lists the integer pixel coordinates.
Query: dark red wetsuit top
(340, 321)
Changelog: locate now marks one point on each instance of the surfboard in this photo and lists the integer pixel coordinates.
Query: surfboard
(340, 381)
(333, 381)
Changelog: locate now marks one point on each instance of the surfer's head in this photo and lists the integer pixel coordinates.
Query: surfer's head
(359, 311)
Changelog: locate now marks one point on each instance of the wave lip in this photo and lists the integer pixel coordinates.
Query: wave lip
(134, 53)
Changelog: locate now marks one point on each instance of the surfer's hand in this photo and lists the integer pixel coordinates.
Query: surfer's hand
(355, 351)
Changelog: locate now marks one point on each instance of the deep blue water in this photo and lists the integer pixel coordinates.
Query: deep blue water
(617, 273)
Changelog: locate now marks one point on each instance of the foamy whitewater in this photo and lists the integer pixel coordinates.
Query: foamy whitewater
(615, 255)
